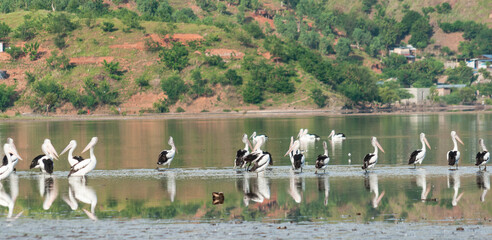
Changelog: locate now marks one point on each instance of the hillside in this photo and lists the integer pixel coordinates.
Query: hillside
(197, 56)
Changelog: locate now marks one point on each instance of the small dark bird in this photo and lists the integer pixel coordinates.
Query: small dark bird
(217, 198)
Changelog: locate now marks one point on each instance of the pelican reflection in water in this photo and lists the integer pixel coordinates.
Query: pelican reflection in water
(256, 189)
(170, 185)
(371, 183)
(79, 191)
(422, 183)
(324, 186)
(483, 182)
(455, 183)
(7, 200)
(296, 187)
(48, 188)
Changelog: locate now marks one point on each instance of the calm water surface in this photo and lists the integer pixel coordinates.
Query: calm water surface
(125, 184)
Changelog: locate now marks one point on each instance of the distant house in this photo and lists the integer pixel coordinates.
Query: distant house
(480, 62)
(1, 46)
(3, 74)
(445, 89)
(408, 51)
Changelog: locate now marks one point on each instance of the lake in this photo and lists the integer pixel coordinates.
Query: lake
(126, 186)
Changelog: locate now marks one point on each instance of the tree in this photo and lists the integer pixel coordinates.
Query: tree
(108, 27)
(461, 74)
(318, 97)
(175, 58)
(233, 78)
(4, 30)
(343, 48)
(252, 93)
(310, 39)
(58, 62)
(359, 84)
(361, 37)
(31, 49)
(113, 69)
(408, 20)
(421, 32)
(173, 86)
(7, 96)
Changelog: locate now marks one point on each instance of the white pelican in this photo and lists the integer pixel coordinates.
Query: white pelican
(45, 162)
(371, 159)
(72, 160)
(260, 159)
(85, 166)
(305, 136)
(454, 155)
(6, 170)
(483, 182)
(296, 157)
(322, 160)
(255, 137)
(482, 157)
(242, 153)
(455, 182)
(79, 191)
(15, 160)
(167, 156)
(418, 156)
(374, 187)
(336, 136)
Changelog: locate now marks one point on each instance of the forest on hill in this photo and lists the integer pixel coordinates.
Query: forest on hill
(142, 56)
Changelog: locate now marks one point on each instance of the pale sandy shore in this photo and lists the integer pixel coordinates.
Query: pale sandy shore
(256, 114)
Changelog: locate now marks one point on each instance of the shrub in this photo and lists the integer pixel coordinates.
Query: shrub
(31, 49)
(180, 110)
(25, 31)
(113, 69)
(58, 62)
(59, 42)
(254, 30)
(152, 46)
(318, 97)
(7, 96)
(162, 106)
(30, 77)
(15, 52)
(175, 58)
(252, 93)
(174, 86)
(233, 78)
(215, 60)
(101, 91)
(59, 23)
(108, 27)
(142, 81)
(4, 30)
(184, 15)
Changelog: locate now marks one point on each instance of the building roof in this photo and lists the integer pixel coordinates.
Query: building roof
(487, 56)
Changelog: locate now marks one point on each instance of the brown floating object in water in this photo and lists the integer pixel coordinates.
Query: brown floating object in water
(217, 198)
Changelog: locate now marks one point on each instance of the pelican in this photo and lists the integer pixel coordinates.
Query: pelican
(10, 153)
(72, 160)
(15, 160)
(371, 159)
(323, 160)
(454, 155)
(83, 167)
(483, 182)
(296, 157)
(336, 136)
(305, 136)
(418, 155)
(79, 191)
(45, 162)
(242, 153)
(261, 158)
(482, 157)
(371, 183)
(167, 156)
(255, 137)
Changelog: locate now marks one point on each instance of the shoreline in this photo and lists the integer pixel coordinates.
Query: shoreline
(470, 109)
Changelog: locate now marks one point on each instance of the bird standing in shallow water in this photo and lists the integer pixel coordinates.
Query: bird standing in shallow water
(454, 155)
(483, 157)
(85, 166)
(167, 156)
(6, 170)
(45, 162)
(418, 156)
(72, 160)
(323, 160)
(296, 157)
(242, 153)
(371, 159)
(15, 160)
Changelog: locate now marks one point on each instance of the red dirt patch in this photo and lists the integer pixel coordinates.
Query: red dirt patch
(141, 100)
(90, 60)
(185, 37)
(4, 56)
(262, 20)
(450, 40)
(225, 53)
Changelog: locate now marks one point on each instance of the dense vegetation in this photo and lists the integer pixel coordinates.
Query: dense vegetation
(317, 50)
